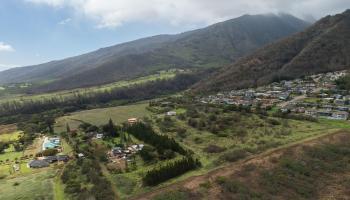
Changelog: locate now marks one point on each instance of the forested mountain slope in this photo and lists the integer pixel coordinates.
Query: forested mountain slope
(323, 47)
(213, 46)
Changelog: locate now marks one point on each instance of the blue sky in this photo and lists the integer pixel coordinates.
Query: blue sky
(37, 31)
(40, 33)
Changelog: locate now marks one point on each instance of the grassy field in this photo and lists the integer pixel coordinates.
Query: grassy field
(38, 185)
(9, 137)
(101, 116)
(68, 93)
(260, 136)
(9, 128)
(58, 189)
(252, 134)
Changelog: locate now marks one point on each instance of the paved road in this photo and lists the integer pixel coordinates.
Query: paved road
(297, 98)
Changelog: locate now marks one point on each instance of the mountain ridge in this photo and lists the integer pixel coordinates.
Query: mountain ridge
(213, 46)
(320, 48)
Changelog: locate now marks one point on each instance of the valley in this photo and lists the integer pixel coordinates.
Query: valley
(124, 144)
(256, 107)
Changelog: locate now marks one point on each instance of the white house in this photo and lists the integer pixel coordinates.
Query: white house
(171, 113)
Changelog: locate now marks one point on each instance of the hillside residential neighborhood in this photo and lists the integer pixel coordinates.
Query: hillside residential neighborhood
(315, 96)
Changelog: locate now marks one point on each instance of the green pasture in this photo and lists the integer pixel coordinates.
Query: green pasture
(101, 116)
(37, 185)
(9, 137)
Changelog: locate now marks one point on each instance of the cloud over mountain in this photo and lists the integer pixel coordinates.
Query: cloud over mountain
(6, 47)
(109, 13)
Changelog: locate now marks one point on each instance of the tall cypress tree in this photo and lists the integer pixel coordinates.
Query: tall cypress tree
(67, 128)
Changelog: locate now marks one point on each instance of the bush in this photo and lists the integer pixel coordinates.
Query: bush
(181, 132)
(15, 184)
(234, 155)
(2, 176)
(240, 190)
(214, 149)
(274, 122)
(148, 154)
(47, 152)
(174, 195)
(125, 184)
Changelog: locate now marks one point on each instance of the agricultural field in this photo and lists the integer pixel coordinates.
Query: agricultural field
(101, 116)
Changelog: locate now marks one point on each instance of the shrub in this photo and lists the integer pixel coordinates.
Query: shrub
(2, 176)
(47, 152)
(174, 195)
(15, 184)
(214, 149)
(181, 132)
(274, 122)
(148, 154)
(125, 184)
(234, 155)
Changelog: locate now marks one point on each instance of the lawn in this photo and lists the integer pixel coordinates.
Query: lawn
(10, 156)
(312, 100)
(9, 137)
(32, 186)
(58, 189)
(67, 149)
(101, 116)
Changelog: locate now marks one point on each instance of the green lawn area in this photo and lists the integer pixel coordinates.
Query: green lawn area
(8, 137)
(58, 189)
(312, 100)
(335, 123)
(101, 116)
(37, 185)
(67, 149)
(10, 155)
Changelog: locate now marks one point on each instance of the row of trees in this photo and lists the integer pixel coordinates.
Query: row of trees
(170, 170)
(82, 100)
(146, 133)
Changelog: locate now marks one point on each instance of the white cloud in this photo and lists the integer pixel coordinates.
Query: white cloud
(5, 67)
(112, 13)
(65, 21)
(6, 47)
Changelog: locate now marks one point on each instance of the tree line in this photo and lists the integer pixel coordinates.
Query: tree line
(146, 133)
(80, 101)
(170, 170)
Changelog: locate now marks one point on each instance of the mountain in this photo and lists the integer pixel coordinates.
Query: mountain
(323, 47)
(213, 46)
